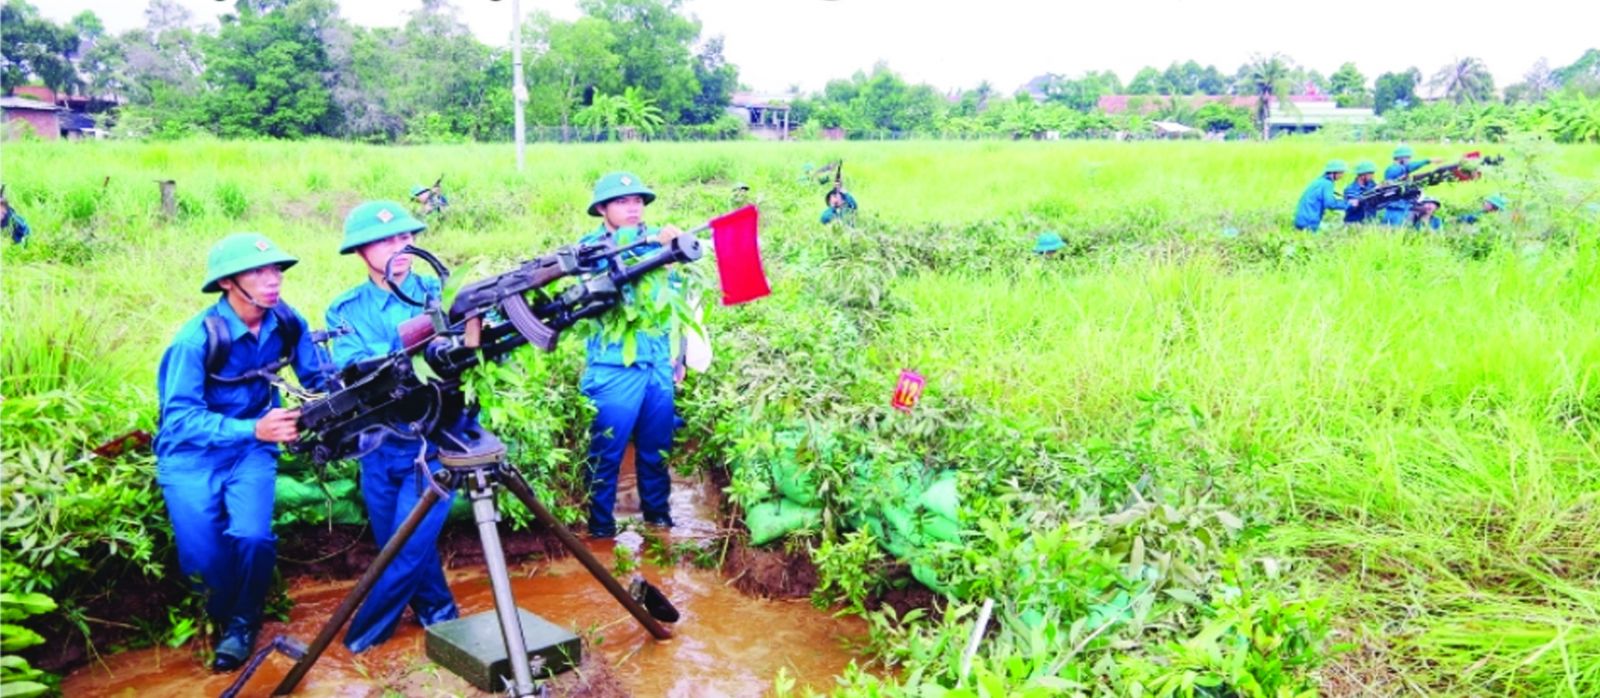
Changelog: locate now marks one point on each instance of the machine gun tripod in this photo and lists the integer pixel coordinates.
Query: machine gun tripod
(476, 465)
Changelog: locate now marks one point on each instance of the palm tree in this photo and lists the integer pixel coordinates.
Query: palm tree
(1465, 80)
(1267, 77)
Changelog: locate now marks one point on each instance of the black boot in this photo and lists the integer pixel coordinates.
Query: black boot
(235, 646)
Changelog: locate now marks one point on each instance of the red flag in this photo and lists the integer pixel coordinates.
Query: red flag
(739, 256)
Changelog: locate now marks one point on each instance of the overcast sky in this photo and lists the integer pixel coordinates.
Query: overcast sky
(956, 44)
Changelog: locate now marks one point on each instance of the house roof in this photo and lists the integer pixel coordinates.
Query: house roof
(1320, 113)
(20, 103)
(39, 92)
(1116, 104)
(760, 100)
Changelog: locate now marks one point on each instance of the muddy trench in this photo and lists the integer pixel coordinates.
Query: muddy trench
(743, 619)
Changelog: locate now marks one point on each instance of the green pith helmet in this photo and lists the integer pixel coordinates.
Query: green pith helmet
(617, 185)
(241, 252)
(1404, 151)
(1048, 242)
(1336, 166)
(375, 220)
(1497, 201)
(417, 189)
(1366, 167)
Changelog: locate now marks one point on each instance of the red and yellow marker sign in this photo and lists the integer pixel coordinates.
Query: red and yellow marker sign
(908, 390)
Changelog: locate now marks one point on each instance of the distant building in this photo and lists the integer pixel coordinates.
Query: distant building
(766, 115)
(39, 117)
(1311, 116)
(1144, 104)
(52, 115)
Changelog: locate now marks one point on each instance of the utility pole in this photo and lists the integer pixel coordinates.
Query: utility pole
(519, 91)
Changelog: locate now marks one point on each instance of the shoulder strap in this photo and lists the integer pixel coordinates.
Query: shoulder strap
(219, 341)
(288, 328)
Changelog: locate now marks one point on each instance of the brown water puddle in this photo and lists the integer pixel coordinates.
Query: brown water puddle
(725, 644)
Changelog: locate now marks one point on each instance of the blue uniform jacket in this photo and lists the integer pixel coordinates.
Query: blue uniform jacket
(1318, 198)
(830, 213)
(374, 316)
(18, 226)
(1396, 211)
(1355, 214)
(206, 421)
(653, 347)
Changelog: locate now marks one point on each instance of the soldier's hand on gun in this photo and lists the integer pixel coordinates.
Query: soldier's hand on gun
(668, 232)
(278, 426)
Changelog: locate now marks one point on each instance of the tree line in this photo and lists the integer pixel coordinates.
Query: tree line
(295, 68)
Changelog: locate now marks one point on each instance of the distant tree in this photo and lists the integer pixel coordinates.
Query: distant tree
(1348, 85)
(1268, 78)
(32, 47)
(264, 69)
(1145, 82)
(1212, 82)
(718, 79)
(1217, 117)
(1395, 90)
(653, 41)
(1465, 80)
(570, 58)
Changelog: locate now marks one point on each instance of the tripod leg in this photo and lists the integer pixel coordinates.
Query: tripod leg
(363, 587)
(505, 605)
(514, 481)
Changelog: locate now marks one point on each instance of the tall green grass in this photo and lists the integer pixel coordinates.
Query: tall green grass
(1420, 411)
(1432, 420)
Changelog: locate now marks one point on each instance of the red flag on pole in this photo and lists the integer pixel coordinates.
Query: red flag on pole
(739, 256)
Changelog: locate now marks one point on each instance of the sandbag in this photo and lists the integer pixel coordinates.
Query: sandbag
(291, 494)
(939, 528)
(770, 521)
(929, 578)
(796, 483)
(943, 497)
(347, 512)
(902, 523)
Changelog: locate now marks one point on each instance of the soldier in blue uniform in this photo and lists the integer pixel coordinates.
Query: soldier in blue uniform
(12, 221)
(1399, 211)
(392, 481)
(1363, 184)
(221, 423)
(633, 401)
(1320, 197)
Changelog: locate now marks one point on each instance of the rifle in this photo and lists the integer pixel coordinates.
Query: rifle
(416, 391)
(1371, 203)
(1464, 171)
(1410, 188)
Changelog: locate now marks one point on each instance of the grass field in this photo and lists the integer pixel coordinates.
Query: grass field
(1378, 453)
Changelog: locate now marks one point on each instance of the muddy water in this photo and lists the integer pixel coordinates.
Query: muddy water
(725, 644)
